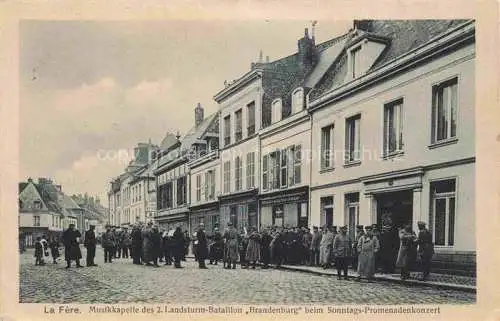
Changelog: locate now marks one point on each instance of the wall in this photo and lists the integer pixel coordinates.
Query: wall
(415, 87)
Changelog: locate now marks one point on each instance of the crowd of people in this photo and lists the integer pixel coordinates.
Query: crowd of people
(371, 250)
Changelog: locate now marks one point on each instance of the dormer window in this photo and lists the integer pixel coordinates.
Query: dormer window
(355, 63)
(297, 100)
(276, 110)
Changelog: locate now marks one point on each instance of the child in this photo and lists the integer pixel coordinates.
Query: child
(54, 249)
(39, 252)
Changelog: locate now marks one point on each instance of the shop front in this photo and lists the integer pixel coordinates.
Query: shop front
(171, 221)
(287, 208)
(208, 214)
(239, 209)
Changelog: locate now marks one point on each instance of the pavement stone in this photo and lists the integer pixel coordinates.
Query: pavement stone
(124, 282)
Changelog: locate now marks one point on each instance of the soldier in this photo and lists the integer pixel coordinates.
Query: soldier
(136, 244)
(201, 246)
(425, 249)
(359, 233)
(342, 246)
(108, 243)
(90, 243)
(231, 237)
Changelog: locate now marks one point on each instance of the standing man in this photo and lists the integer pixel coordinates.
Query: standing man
(90, 243)
(425, 249)
(389, 245)
(126, 240)
(177, 245)
(326, 247)
(315, 241)
(368, 246)
(265, 248)
(136, 245)
(202, 246)
(342, 246)
(108, 243)
(231, 237)
(71, 247)
(147, 244)
(359, 233)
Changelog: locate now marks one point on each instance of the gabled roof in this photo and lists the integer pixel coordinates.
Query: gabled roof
(403, 36)
(197, 132)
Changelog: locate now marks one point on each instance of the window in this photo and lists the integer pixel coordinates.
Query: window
(284, 169)
(297, 164)
(352, 139)
(237, 173)
(251, 119)
(291, 160)
(227, 177)
(210, 185)
(198, 187)
(352, 212)
(297, 100)
(444, 110)
(327, 210)
(443, 195)
(140, 192)
(37, 205)
(393, 127)
(265, 175)
(238, 125)
(276, 111)
(250, 170)
(274, 170)
(327, 154)
(36, 220)
(355, 70)
(227, 130)
(278, 215)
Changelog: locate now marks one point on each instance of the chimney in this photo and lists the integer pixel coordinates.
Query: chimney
(198, 115)
(267, 59)
(364, 25)
(178, 136)
(260, 56)
(307, 56)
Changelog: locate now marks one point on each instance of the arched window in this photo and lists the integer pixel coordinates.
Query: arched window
(297, 100)
(276, 108)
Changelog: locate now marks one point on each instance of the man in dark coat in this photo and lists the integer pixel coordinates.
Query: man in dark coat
(126, 240)
(217, 247)
(425, 249)
(90, 244)
(265, 248)
(166, 247)
(315, 241)
(389, 245)
(71, 246)
(108, 243)
(136, 245)
(201, 246)
(187, 241)
(147, 244)
(177, 246)
(156, 245)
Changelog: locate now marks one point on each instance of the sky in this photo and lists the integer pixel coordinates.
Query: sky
(91, 90)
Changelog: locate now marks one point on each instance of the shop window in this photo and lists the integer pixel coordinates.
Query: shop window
(303, 215)
(233, 216)
(443, 196)
(252, 215)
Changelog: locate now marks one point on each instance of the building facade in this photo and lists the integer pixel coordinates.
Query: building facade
(392, 121)
(240, 106)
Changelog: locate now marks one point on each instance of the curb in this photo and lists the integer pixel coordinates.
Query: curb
(447, 286)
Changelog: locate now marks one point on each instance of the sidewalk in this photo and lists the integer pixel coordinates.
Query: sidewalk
(452, 282)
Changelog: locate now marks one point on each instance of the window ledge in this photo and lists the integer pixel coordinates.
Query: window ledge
(443, 142)
(352, 163)
(391, 155)
(326, 170)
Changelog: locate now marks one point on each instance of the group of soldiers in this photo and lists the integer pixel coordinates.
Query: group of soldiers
(372, 249)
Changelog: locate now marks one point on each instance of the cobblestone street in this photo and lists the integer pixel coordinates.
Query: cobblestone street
(123, 282)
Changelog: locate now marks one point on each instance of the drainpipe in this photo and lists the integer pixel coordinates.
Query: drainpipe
(309, 205)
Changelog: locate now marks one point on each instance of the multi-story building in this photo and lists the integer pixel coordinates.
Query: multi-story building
(393, 120)
(172, 172)
(45, 210)
(131, 193)
(205, 177)
(285, 144)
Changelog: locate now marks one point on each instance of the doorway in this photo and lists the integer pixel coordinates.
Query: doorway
(398, 205)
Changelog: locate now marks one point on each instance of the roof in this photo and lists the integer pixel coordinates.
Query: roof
(168, 141)
(404, 36)
(197, 132)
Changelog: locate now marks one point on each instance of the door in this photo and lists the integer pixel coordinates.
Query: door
(398, 206)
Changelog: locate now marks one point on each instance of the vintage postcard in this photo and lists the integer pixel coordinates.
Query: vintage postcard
(250, 160)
